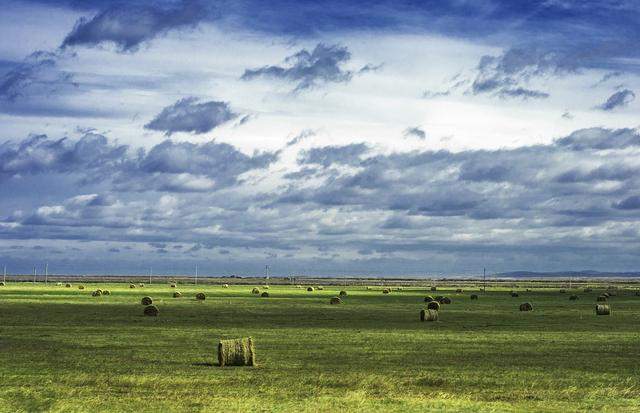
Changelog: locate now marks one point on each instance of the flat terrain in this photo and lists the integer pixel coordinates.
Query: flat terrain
(63, 350)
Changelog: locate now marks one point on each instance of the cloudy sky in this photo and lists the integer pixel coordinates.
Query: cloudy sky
(320, 137)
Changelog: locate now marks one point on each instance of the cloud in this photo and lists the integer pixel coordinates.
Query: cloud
(329, 155)
(187, 115)
(308, 69)
(415, 132)
(619, 99)
(306, 133)
(129, 25)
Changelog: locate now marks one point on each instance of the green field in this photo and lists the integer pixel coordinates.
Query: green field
(63, 350)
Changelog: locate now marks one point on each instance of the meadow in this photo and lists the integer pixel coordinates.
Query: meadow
(61, 349)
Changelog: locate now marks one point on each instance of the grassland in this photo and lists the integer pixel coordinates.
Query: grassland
(63, 350)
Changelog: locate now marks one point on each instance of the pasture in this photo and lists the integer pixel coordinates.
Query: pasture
(62, 349)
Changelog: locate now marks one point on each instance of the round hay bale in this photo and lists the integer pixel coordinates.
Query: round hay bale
(433, 288)
(264, 295)
(200, 296)
(69, 286)
(474, 296)
(433, 305)
(146, 301)
(335, 300)
(310, 289)
(445, 300)
(151, 311)
(141, 285)
(59, 284)
(265, 287)
(132, 286)
(1, 284)
(459, 291)
(428, 315)
(225, 285)
(526, 307)
(256, 290)
(99, 290)
(177, 294)
(428, 299)
(343, 293)
(299, 286)
(386, 291)
(81, 287)
(173, 285)
(515, 294)
(96, 293)
(106, 292)
(320, 288)
(573, 297)
(602, 299)
(606, 294)
(236, 352)
(603, 309)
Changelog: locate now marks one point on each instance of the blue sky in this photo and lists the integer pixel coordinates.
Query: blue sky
(320, 137)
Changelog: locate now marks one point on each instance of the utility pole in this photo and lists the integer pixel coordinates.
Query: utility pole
(4, 277)
(484, 279)
(196, 274)
(34, 274)
(46, 272)
(150, 271)
(266, 272)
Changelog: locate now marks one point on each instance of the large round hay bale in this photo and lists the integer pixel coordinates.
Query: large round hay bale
(335, 300)
(151, 311)
(433, 288)
(96, 293)
(173, 285)
(236, 352)
(526, 307)
(146, 301)
(606, 294)
(225, 285)
(141, 285)
(515, 294)
(1, 283)
(429, 315)
(320, 288)
(343, 293)
(386, 291)
(310, 289)
(177, 294)
(602, 299)
(265, 287)
(459, 291)
(445, 300)
(439, 297)
(474, 296)
(428, 299)
(106, 292)
(59, 284)
(573, 297)
(99, 290)
(433, 305)
(200, 296)
(265, 294)
(80, 287)
(132, 286)
(67, 285)
(255, 290)
(603, 309)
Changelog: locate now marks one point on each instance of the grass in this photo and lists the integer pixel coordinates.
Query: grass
(63, 350)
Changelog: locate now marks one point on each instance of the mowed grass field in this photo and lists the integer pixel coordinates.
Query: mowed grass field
(63, 350)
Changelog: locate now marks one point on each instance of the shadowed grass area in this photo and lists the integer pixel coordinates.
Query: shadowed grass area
(64, 350)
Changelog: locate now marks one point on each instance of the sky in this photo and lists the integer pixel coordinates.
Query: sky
(380, 138)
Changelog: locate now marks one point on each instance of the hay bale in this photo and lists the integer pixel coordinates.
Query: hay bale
(335, 300)
(264, 295)
(445, 300)
(601, 299)
(299, 286)
(606, 294)
(146, 301)
(225, 285)
(514, 294)
(1, 284)
(200, 296)
(433, 288)
(428, 299)
(59, 284)
(132, 286)
(265, 287)
(433, 305)
(173, 285)
(459, 291)
(526, 307)
(255, 290)
(428, 315)
(236, 352)
(343, 293)
(573, 297)
(177, 294)
(106, 292)
(151, 311)
(310, 289)
(386, 291)
(320, 288)
(99, 290)
(603, 309)
(96, 293)
(81, 287)
(141, 285)
(474, 296)
(68, 285)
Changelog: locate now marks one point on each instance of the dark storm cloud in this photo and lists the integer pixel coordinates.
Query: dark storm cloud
(308, 69)
(619, 99)
(188, 115)
(128, 26)
(329, 155)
